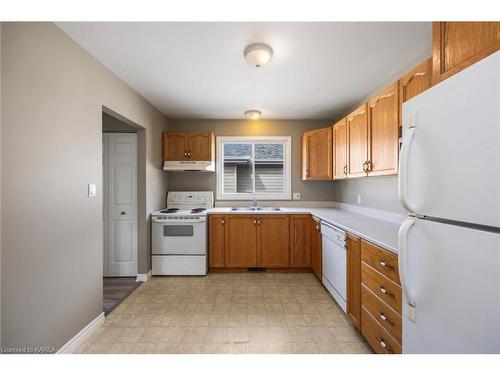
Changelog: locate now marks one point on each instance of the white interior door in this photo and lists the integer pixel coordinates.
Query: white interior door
(452, 276)
(105, 203)
(122, 198)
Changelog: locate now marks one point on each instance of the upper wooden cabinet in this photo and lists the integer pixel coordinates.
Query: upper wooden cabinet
(383, 120)
(174, 146)
(457, 45)
(195, 146)
(339, 131)
(357, 136)
(415, 81)
(317, 154)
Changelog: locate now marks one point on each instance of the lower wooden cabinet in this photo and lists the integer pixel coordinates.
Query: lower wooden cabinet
(316, 248)
(249, 241)
(382, 313)
(241, 241)
(379, 339)
(300, 251)
(381, 296)
(273, 248)
(216, 235)
(354, 280)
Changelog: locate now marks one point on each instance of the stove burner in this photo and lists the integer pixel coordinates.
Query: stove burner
(169, 210)
(196, 210)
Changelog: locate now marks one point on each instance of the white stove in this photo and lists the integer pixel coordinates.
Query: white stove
(179, 234)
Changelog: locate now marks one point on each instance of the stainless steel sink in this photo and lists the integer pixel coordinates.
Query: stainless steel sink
(256, 209)
(277, 209)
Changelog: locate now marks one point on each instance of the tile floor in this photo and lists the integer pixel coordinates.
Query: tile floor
(228, 313)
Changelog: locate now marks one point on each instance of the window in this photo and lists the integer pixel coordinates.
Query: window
(249, 167)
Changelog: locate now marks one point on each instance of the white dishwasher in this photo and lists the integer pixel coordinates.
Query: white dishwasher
(334, 262)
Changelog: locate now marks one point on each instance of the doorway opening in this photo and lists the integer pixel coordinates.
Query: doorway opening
(120, 161)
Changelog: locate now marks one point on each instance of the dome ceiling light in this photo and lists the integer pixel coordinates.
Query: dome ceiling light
(258, 54)
(253, 114)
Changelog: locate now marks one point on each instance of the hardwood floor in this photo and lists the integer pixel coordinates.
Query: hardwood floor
(115, 290)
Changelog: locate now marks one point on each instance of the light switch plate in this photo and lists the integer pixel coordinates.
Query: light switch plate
(296, 196)
(92, 190)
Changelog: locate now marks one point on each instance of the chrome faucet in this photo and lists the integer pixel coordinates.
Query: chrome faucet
(254, 202)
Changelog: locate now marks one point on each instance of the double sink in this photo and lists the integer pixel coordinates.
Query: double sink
(256, 209)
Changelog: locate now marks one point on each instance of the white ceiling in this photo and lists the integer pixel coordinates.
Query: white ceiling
(197, 70)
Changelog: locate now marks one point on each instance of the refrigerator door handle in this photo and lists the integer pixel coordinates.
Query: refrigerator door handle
(403, 250)
(403, 168)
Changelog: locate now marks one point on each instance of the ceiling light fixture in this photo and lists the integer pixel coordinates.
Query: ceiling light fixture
(258, 54)
(253, 114)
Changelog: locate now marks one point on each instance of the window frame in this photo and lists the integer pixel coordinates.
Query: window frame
(286, 141)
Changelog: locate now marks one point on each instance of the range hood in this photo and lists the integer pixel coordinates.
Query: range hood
(188, 165)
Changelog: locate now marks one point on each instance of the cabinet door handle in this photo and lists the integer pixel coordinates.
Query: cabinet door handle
(345, 169)
(385, 319)
(222, 221)
(307, 172)
(386, 292)
(258, 222)
(385, 265)
(384, 345)
(185, 154)
(123, 213)
(189, 153)
(254, 221)
(368, 165)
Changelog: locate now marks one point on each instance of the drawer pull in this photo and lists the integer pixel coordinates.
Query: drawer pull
(384, 318)
(385, 265)
(384, 345)
(386, 292)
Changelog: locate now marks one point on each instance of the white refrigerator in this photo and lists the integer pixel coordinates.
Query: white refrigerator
(449, 182)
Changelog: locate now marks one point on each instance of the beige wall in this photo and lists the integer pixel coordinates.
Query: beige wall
(379, 192)
(53, 93)
(309, 191)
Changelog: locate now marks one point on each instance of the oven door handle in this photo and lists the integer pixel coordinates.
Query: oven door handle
(182, 221)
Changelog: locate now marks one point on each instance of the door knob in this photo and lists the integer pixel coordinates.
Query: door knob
(123, 213)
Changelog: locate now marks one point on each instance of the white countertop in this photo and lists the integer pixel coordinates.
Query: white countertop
(378, 231)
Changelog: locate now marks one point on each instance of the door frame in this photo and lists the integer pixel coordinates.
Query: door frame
(143, 227)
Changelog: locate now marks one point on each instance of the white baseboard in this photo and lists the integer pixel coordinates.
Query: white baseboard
(143, 277)
(73, 344)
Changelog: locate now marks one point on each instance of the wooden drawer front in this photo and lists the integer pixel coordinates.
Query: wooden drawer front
(387, 290)
(379, 339)
(382, 260)
(383, 314)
